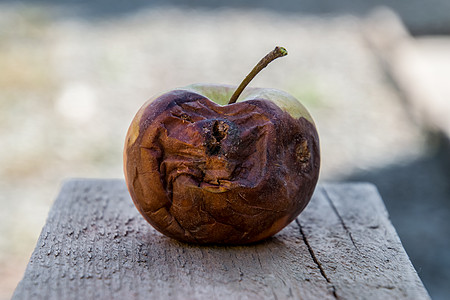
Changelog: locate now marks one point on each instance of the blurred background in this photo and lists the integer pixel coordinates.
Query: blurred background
(374, 75)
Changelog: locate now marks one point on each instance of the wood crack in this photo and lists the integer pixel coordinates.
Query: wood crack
(341, 220)
(315, 259)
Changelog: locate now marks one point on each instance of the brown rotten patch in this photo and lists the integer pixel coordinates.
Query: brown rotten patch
(205, 173)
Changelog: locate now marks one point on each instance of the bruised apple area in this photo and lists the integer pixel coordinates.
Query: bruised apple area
(201, 172)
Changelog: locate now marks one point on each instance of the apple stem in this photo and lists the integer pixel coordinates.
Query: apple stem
(272, 55)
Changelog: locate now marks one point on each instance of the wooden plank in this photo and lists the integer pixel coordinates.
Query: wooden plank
(96, 245)
(363, 256)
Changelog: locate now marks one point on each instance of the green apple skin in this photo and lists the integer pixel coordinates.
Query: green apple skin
(203, 171)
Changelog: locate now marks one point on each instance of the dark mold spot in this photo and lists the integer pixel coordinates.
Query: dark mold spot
(217, 132)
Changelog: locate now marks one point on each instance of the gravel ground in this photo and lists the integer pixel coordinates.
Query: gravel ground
(70, 86)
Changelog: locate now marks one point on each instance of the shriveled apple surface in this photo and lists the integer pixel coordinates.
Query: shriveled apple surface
(96, 245)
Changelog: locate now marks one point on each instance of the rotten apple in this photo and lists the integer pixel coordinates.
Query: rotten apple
(202, 167)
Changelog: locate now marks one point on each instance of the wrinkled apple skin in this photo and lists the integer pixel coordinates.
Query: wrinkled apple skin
(201, 172)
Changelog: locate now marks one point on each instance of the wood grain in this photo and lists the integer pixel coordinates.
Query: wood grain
(96, 245)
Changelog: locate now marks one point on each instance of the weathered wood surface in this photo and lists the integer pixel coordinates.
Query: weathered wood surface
(95, 245)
